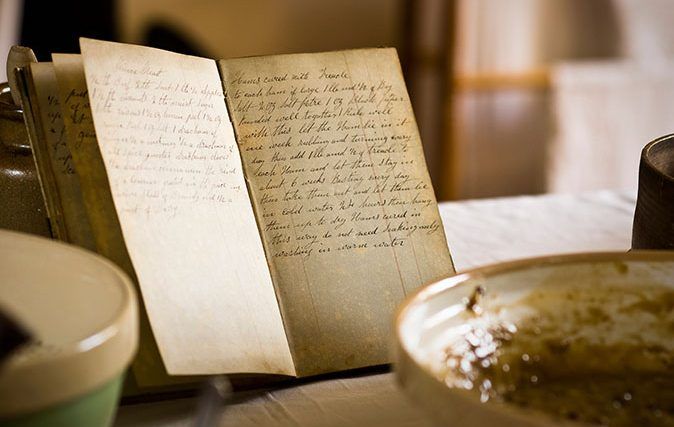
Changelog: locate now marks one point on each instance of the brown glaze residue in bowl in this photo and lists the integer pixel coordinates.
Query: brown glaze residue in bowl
(578, 353)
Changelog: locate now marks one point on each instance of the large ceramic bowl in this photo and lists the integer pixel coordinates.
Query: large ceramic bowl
(81, 312)
(427, 317)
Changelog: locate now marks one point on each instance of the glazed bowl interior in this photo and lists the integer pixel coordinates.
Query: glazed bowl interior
(428, 322)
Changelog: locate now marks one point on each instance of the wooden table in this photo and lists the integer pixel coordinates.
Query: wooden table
(479, 232)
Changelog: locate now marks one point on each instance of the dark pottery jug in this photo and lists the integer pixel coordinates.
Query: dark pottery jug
(21, 204)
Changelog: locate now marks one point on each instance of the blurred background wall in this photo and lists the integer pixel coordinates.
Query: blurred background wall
(10, 24)
(502, 118)
(512, 97)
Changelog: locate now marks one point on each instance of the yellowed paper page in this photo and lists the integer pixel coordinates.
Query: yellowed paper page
(61, 163)
(349, 219)
(179, 191)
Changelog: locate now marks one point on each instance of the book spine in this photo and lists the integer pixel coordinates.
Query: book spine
(39, 149)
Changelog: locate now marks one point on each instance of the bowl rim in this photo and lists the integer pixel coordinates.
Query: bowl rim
(435, 287)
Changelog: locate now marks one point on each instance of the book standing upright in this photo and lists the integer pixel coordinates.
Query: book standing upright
(272, 226)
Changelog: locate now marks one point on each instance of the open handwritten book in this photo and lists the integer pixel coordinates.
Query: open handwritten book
(272, 227)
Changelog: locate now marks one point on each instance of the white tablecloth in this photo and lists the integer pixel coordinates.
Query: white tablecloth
(479, 232)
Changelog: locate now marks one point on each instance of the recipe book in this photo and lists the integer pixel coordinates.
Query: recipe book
(273, 210)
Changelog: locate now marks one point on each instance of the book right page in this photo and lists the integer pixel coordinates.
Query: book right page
(342, 196)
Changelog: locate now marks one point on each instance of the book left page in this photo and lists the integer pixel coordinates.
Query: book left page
(179, 191)
(76, 221)
(148, 368)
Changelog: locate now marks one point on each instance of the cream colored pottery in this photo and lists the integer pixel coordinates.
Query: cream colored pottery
(82, 312)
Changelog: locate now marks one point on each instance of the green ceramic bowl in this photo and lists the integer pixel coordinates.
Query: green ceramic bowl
(82, 312)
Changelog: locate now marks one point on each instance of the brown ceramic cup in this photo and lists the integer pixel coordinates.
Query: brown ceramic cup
(654, 215)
